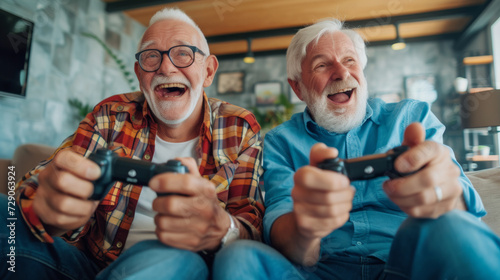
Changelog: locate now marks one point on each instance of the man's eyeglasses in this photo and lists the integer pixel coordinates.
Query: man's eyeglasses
(181, 56)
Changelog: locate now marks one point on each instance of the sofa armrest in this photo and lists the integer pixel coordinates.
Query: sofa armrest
(28, 156)
(25, 158)
(487, 184)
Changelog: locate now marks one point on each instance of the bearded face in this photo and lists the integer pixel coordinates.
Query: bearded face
(332, 83)
(172, 110)
(173, 93)
(333, 118)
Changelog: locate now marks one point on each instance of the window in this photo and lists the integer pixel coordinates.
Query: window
(495, 39)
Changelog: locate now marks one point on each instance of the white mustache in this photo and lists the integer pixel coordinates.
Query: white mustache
(158, 80)
(335, 87)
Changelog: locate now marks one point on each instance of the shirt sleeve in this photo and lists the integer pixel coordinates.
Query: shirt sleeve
(237, 178)
(27, 187)
(278, 181)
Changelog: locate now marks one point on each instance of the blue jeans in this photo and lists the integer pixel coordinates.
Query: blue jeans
(32, 259)
(454, 246)
(151, 259)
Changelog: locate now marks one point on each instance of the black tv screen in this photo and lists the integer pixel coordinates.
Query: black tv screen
(15, 45)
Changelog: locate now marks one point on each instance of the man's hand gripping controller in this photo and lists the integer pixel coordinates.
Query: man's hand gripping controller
(127, 170)
(367, 167)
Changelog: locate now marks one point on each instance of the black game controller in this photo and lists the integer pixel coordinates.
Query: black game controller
(133, 171)
(367, 167)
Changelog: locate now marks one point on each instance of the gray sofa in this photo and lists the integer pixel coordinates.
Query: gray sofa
(486, 182)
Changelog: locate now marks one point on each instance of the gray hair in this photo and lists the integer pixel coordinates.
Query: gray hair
(176, 14)
(297, 49)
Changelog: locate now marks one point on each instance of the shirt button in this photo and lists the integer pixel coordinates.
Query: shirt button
(119, 244)
(147, 156)
(359, 243)
(119, 108)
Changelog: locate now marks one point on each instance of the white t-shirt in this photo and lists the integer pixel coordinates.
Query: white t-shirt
(143, 226)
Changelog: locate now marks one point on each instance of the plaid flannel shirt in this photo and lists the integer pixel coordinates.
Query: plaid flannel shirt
(229, 155)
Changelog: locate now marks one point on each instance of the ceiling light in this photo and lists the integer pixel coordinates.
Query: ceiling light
(400, 43)
(249, 58)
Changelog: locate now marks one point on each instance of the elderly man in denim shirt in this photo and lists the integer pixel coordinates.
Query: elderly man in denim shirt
(422, 226)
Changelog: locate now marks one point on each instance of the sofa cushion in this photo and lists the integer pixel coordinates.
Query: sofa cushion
(487, 184)
(28, 156)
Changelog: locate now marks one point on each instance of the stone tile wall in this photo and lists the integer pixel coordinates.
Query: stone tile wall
(65, 64)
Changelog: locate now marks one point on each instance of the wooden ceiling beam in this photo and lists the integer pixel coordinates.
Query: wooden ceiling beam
(124, 5)
(219, 17)
(373, 35)
(429, 16)
(271, 24)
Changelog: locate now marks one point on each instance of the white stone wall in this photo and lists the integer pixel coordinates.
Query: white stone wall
(64, 65)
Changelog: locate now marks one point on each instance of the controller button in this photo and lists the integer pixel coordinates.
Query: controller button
(369, 169)
(132, 173)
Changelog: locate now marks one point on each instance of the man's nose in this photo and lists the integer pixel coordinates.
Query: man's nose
(339, 72)
(166, 66)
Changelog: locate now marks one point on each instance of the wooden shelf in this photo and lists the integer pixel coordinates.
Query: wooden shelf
(484, 158)
(478, 60)
(475, 90)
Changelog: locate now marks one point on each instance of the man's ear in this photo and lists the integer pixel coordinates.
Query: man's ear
(211, 66)
(296, 88)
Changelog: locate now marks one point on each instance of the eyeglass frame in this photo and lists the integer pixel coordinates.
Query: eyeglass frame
(193, 48)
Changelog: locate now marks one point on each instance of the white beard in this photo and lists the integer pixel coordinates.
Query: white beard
(337, 120)
(164, 106)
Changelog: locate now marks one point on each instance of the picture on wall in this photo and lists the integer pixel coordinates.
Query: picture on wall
(267, 93)
(421, 87)
(230, 82)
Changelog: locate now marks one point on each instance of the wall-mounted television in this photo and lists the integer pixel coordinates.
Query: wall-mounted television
(15, 45)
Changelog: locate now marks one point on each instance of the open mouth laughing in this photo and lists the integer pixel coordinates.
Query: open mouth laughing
(342, 96)
(170, 90)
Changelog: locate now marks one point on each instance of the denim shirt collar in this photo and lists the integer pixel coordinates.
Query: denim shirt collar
(314, 129)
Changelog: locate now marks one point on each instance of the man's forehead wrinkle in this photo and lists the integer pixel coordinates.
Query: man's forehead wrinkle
(157, 33)
(149, 43)
(318, 50)
(146, 44)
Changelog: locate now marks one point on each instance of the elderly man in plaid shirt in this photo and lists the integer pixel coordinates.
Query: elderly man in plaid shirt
(133, 232)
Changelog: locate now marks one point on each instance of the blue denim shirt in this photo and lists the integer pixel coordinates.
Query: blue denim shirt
(374, 219)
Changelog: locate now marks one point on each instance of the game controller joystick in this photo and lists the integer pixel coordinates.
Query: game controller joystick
(367, 167)
(127, 170)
